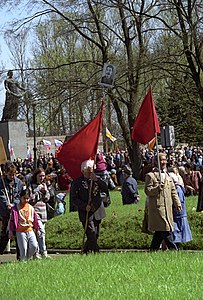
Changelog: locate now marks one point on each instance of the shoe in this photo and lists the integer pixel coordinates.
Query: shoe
(96, 251)
(85, 252)
(37, 256)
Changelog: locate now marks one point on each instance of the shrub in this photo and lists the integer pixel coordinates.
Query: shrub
(121, 229)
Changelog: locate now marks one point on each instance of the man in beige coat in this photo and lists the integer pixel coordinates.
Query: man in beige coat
(162, 196)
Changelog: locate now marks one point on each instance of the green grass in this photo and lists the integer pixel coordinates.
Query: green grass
(121, 229)
(117, 276)
(162, 275)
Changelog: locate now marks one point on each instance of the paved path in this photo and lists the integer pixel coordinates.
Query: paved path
(6, 258)
(9, 257)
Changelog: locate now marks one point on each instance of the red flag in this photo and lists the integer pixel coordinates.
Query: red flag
(146, 123)
(81, 146)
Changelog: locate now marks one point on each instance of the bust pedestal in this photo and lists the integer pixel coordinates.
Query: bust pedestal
(15, 132)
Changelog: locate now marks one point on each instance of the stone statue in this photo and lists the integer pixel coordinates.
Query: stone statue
(10, 111)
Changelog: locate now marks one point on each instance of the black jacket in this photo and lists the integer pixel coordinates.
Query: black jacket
(79, 196)
(129, 191)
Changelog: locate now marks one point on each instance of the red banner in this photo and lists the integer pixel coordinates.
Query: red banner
(81, 146)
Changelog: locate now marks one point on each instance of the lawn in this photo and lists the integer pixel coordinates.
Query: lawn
(141, 275)
(122, 227)
(125, 275)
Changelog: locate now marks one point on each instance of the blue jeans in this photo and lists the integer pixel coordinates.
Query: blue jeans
(27, 244)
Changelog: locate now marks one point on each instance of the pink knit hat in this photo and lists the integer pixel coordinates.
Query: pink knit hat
(101, 164)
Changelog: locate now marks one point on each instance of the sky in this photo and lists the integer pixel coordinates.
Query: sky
(4, 51)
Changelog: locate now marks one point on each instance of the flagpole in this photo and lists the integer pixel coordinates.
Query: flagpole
(107, 146)
(14, 155)
(157, 147)
(158, 159)
(34, 135)
(4, 186)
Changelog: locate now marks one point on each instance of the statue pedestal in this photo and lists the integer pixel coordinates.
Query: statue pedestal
(15, 133)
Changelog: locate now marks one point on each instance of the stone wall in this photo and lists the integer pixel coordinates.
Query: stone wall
(41, 150)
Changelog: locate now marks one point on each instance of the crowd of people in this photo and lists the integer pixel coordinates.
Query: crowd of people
(187, 158)
(28, 197)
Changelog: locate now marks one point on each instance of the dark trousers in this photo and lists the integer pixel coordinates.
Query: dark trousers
(92, 234)
(159, 237)
(4, 235)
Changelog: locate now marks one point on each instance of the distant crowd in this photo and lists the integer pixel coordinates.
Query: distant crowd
(181, 157)
(116, 160)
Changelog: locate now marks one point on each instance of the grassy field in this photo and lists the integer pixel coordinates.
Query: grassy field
(162, 275)
(118, 276)
(122, 227)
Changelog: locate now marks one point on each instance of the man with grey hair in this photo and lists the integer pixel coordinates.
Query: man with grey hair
(85, 196)
(162, 197)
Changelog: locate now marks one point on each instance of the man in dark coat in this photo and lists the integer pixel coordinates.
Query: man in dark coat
(129, 187)
(200, 196)
(89, 204)
(10, 188)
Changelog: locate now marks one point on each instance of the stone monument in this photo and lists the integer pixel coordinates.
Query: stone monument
(13, 131)
(10, 111)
